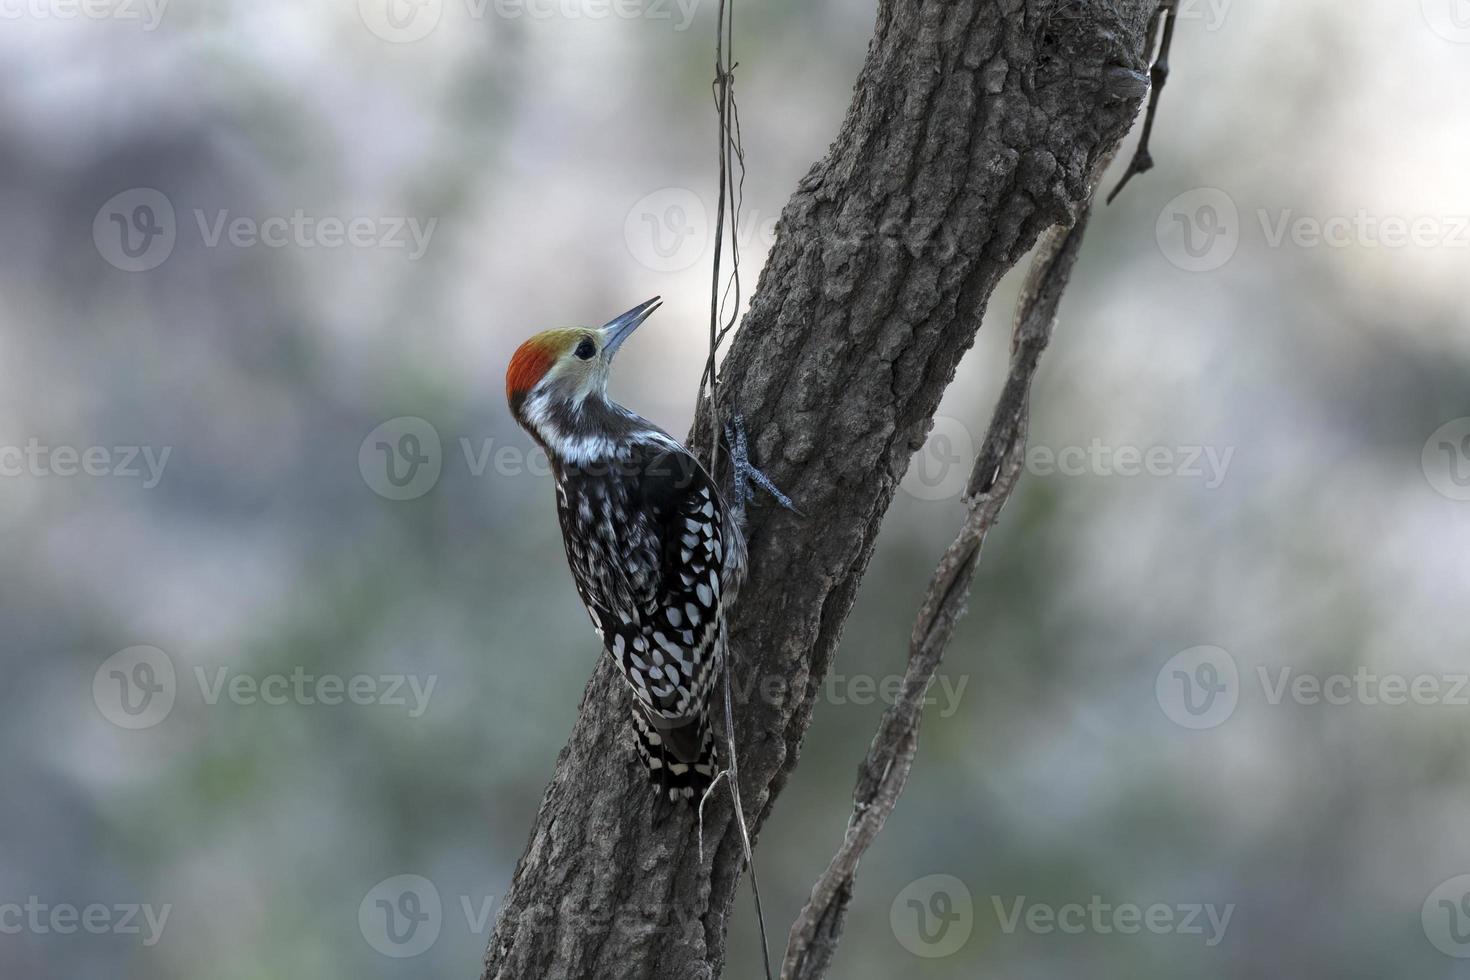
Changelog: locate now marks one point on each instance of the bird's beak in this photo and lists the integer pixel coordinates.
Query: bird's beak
(617, 329)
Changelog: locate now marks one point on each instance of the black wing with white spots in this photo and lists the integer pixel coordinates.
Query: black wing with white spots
(647, 539)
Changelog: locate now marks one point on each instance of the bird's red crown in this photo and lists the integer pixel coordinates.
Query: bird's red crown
(532, 360)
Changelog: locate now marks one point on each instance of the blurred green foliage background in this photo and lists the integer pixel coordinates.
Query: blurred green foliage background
(547, 145)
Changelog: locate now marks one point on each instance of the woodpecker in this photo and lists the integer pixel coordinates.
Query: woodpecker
(654, 552)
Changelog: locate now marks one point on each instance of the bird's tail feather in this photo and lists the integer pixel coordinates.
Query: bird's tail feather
(682, 759)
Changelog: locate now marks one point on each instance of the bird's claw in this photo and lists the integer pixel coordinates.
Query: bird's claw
(747, 476)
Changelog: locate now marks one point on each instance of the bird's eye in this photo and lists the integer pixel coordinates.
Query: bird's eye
(585, 350)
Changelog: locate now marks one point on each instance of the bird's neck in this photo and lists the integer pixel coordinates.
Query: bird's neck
(591, 431)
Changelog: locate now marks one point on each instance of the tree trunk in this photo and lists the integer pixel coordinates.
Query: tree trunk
(975, 126)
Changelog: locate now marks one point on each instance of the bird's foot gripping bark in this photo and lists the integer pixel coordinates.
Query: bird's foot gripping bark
(747, 478)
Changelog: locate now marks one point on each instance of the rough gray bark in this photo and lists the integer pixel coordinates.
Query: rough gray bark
(975, 126)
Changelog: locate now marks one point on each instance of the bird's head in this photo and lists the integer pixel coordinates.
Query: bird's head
(559, 372)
